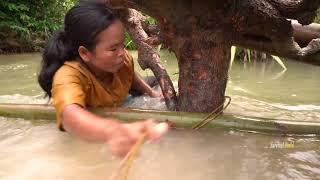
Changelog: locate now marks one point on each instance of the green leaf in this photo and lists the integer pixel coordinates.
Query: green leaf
(129, 43)
(22, 7)
(151, 20)
(24, 17)
(12, 7)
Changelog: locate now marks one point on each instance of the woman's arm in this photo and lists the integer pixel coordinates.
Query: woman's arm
(86, 125)
(120, 137)
(140, 85)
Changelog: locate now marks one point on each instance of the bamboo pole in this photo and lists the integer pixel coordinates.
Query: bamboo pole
(179, 119)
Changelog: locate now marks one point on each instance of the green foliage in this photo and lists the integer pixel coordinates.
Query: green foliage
(129, 44)
(151, 20)
(32, 19)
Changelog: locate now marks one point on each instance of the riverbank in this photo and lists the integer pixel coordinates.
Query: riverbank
(13, 45)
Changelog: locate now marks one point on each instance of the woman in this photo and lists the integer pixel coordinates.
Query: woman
(86, 65)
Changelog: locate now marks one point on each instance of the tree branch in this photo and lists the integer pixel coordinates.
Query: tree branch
(271, 32)
(303, 35)
(302, 10)
(309, 54)
(147, 55)
(259, 18)
(151, 29)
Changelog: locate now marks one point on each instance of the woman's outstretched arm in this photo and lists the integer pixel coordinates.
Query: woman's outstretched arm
(120, 137)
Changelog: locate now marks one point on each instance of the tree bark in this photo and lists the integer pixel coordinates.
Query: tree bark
(203, 73)
(303, 10)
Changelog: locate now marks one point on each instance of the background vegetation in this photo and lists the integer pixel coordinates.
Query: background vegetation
(26, 24)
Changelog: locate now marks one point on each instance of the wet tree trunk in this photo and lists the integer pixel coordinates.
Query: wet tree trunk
(203, 74)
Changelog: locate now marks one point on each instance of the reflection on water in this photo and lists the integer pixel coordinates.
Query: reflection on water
(37, 150)
(297, 85)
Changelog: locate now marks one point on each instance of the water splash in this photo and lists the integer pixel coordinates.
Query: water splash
(22, 99)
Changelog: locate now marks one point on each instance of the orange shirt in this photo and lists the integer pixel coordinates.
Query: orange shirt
(73, 83)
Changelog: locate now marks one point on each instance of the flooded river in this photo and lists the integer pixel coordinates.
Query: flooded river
(35, 149)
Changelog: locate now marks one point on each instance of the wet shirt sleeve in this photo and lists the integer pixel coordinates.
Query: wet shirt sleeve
(67, 88)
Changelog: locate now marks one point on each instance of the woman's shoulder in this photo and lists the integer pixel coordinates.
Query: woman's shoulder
(69, 67)
(69, 71)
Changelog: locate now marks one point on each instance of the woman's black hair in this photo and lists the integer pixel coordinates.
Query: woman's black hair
(82, 24)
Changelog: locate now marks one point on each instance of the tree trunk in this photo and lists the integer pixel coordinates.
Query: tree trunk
(203, 75)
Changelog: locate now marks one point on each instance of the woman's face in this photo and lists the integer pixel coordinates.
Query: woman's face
(108, 54)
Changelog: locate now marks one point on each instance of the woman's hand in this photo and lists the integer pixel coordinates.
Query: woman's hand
(122, 137)
(156, 94)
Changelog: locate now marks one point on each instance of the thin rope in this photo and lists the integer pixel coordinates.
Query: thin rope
(213, 115)
(125, 165)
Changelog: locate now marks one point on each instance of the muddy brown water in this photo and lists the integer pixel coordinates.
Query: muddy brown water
(32, 149)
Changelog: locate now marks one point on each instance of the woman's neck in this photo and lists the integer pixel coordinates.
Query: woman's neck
(105, 77)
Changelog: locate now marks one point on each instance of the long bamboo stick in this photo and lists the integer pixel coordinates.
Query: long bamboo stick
(179, 119)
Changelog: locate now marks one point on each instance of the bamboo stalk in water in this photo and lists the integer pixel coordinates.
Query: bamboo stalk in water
(179, 119)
